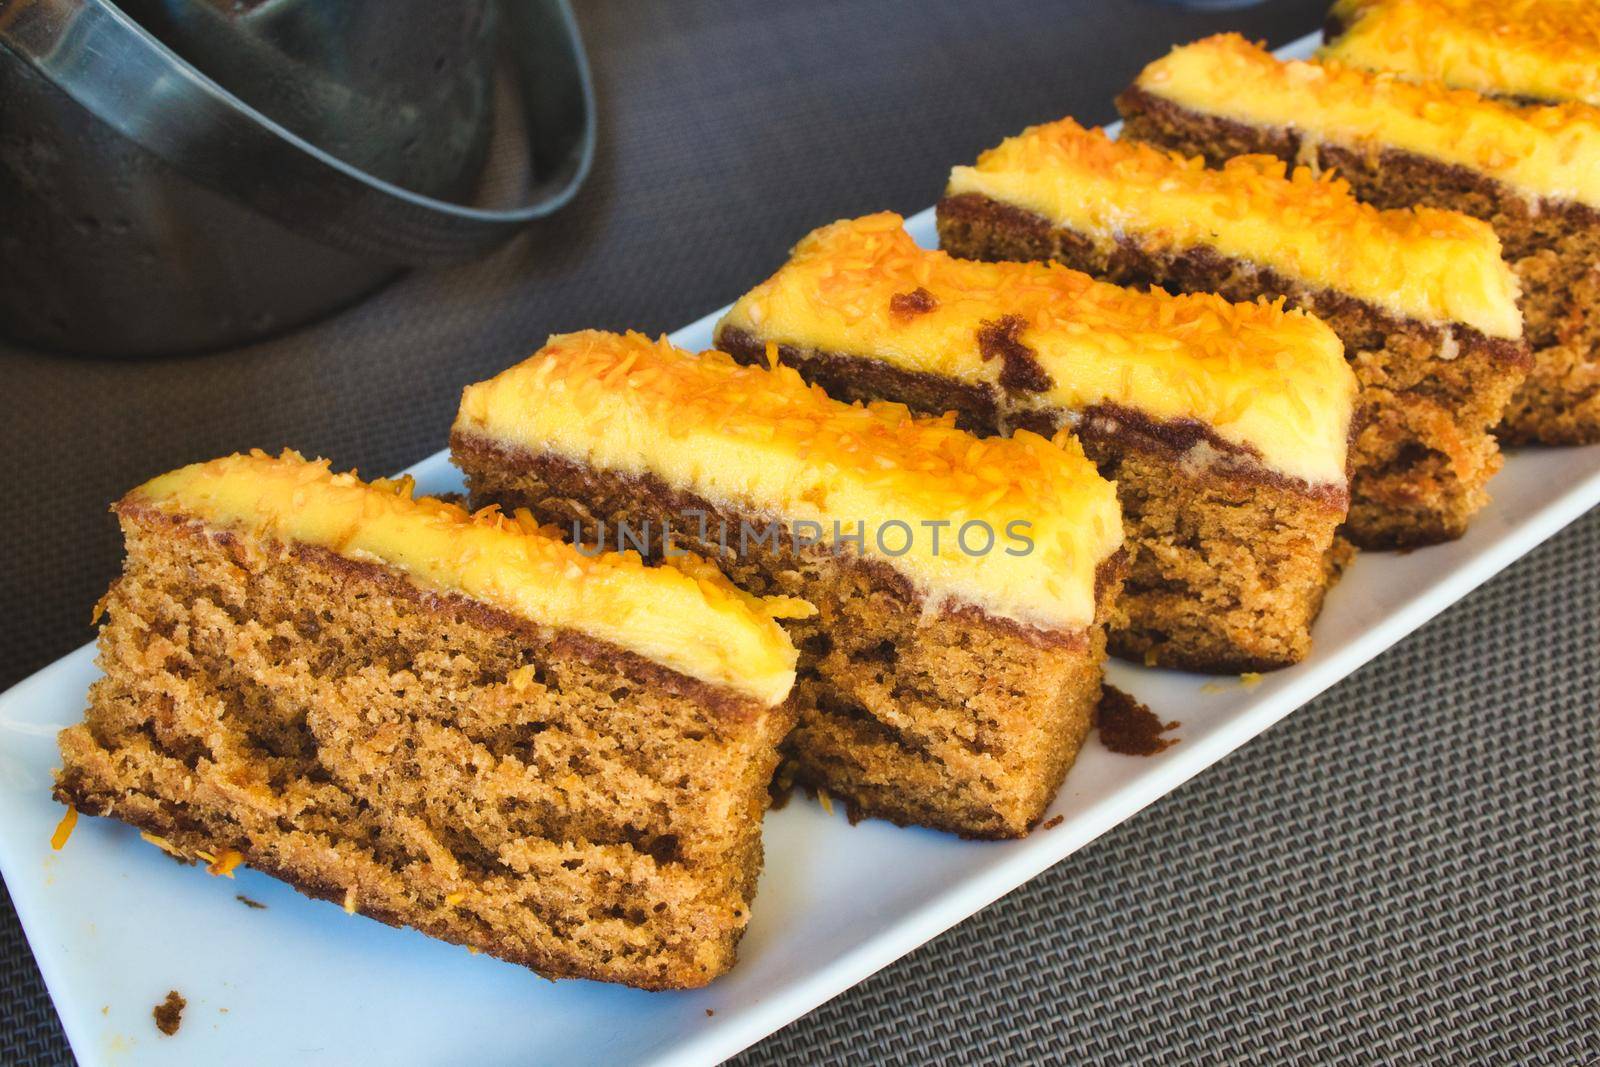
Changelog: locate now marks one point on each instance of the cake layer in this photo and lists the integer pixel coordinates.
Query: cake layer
(1529, 172)
(1228, 557)
(420, 757)
(1432, 388)
(942, 716)
(1542, 152)
(1436, 267)
(867, 479)
(1268, 385)
(1529, 49)
(705, 629)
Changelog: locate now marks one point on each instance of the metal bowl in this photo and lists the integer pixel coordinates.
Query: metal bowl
(146, 207)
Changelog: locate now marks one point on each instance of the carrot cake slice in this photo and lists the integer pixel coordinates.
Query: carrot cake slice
(1224, 425)
(1533, 173)
(1424, 303)
(948, 674)
(1531, 50)
(447, 721)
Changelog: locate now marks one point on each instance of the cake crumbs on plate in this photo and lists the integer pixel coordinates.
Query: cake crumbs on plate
(169, 1013)
(1052, 822)
(1128, 727)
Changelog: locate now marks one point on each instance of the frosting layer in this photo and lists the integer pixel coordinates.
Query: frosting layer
(1433, 266)
(701, 627)
(765, 442)
(1539, 49)
(1263, 378)
(1540, 151)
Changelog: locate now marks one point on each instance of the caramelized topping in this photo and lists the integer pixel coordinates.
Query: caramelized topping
(1538, 49)
(1540, 151)
(1271, 381)
(766, 442)
(1424, 264)
(699, 625)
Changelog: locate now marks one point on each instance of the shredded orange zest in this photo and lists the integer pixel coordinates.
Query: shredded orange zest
(64, 828)
(163, 844)
(224, 864)
(825, 800)
(1540, 49)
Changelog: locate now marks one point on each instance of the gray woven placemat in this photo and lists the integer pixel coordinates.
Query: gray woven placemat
(1404, 871)
(1409, 860)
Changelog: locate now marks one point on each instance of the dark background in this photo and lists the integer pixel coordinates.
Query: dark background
(1407, 870)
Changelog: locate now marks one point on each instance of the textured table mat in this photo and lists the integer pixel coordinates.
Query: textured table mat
(1406, 870)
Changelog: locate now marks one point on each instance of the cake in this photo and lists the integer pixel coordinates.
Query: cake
(448, 721)
(949, 673)
(1528, 50)
(1224, 425)
(1532, 172)
(1424, 303)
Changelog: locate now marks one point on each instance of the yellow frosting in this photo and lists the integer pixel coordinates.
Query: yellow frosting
(763, 441)
(1540, 49)
(1549, 152)
(1433, 266)
(699, 626)
(1259, 376)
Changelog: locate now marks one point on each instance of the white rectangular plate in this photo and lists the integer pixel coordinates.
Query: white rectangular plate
(115, 924)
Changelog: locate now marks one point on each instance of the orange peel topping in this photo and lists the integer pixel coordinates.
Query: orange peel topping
(1536, 49)
(764, 442)
(702, 625)
(1433, 266)
(63, 831)
(1272, 381)
(1541, 152)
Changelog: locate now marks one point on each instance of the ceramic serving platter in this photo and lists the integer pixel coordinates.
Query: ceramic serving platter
(115, 924)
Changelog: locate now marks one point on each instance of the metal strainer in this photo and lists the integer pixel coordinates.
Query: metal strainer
(184, 174)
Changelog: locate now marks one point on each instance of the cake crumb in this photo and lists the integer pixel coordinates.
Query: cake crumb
(1052, 822)
(1250, 679)
(247, 902)
(169, 1013)
(1129, 728)
(709, 1013)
